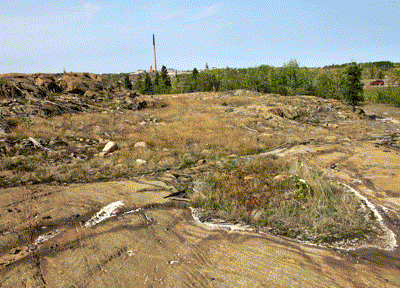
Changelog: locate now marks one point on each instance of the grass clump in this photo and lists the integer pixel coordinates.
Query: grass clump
(293, 201)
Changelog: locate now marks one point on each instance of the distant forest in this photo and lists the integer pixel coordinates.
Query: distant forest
(290, 79)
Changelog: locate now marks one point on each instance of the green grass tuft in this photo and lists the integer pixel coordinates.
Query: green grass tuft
(299, 203)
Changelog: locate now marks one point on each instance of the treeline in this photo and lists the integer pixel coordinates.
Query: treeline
(160, 84)
(290, 79)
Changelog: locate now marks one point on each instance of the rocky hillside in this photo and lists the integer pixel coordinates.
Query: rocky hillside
(47, 95)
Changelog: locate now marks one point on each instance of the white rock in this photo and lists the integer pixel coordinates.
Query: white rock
(110, 147)
(141, 145)
(141, 161)
(106, 212)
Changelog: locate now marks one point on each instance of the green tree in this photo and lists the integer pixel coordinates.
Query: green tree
(166, 81)
(127, 82)
(157, 79)
(353, 88)
(164, 86)
(206, 81)
(139, 83)
(195, 73)
(326, 86)
(394, 76)
(147, 86)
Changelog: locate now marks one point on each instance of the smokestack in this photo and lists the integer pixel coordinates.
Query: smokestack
(154, 51)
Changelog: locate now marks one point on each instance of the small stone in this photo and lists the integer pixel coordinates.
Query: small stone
(141, 161)
(141, 145)
(110, 147)
(279, 178)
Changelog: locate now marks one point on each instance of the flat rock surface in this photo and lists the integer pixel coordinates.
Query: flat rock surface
(163, 246)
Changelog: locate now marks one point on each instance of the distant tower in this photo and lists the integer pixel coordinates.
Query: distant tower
(154, 52)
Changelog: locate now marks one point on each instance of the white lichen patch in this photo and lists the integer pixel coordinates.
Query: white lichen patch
(219, 223)
(387, 240)
(105, 213)
(46, 237)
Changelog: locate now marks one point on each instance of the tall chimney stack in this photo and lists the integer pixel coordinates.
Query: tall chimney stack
(154, 52)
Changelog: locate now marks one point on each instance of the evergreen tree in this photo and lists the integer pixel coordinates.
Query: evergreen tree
(139, 83)
(353, 88)
(157, 79)
(165, 77)
(157, 85)
(147, 86)
(195, 73)
(127, 82)
(165, 85)
(194, 80)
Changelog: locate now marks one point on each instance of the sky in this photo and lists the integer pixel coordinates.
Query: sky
(104, 36)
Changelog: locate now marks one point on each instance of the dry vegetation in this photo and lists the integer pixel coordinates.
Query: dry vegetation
(184, 132)
(177, 136)
(292, 201)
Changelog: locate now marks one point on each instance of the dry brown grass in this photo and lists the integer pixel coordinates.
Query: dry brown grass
(189, 128)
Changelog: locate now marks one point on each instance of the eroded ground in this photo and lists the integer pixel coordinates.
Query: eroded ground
(161, 245)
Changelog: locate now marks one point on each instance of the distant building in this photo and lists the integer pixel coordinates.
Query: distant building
(171, 72)
(138, 72)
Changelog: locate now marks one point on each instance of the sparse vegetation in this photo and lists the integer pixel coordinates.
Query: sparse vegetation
(292, 201)
(163, 143)
(386, 95)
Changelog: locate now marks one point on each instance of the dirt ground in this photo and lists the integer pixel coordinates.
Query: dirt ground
(154, 240)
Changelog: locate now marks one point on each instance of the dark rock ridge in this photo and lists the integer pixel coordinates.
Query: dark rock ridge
(47, 95)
